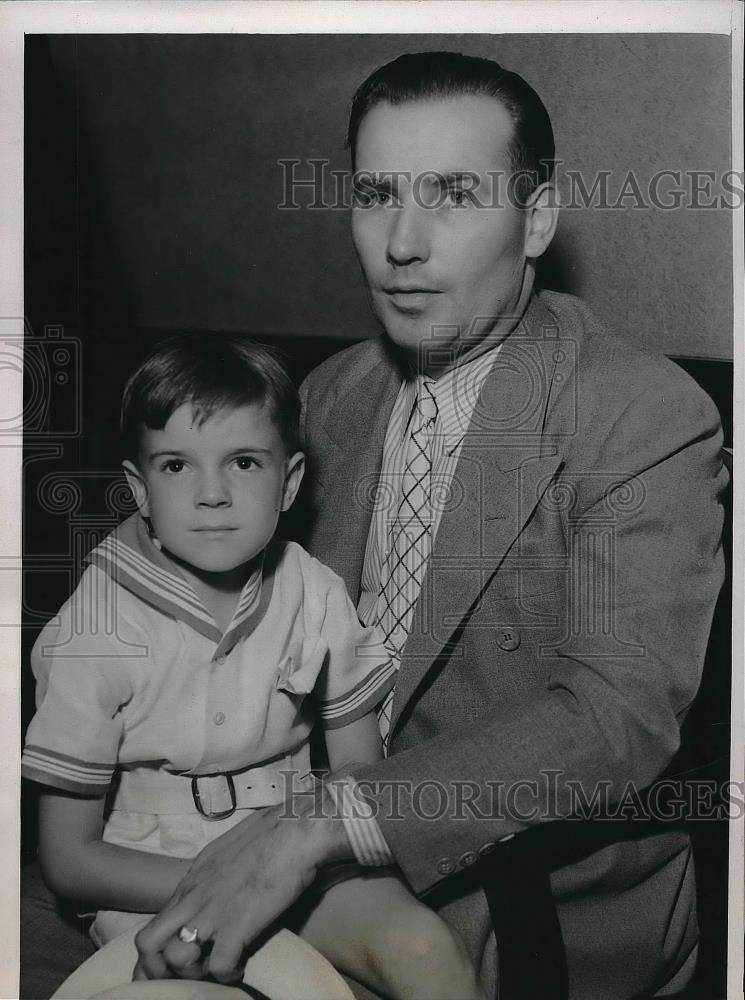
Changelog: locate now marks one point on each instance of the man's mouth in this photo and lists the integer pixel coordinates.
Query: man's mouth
(410, 298)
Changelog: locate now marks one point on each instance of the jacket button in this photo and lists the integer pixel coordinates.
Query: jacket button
(487, 849)
(469, 858)
(445, 866)
(508, 639)
(503, 840)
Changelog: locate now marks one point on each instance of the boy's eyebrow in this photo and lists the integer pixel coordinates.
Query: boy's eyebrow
(251, 448)
(175, 453)
(162, 454)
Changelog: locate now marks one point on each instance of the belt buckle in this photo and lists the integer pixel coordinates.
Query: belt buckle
(198, 800)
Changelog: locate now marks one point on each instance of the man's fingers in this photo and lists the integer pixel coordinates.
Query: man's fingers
(139, 973)
(227, 958)
(186, 960)
(162, 934)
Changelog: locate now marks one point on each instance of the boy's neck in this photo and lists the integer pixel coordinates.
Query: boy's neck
(219, 592)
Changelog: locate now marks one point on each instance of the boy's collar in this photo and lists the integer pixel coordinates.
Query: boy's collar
(129, 556)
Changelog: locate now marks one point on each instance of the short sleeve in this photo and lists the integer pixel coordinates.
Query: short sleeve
(81, 685)
(358, 671)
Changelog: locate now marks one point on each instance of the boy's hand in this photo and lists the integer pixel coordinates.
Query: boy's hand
(238, 885)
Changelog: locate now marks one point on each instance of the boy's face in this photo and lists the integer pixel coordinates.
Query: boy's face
(214, 492)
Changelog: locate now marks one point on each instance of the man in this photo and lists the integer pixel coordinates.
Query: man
(528, 506)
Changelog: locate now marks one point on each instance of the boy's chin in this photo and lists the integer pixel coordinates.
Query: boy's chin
(226, 566)
(219, 563)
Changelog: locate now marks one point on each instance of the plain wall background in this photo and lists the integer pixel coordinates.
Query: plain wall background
(153, 190)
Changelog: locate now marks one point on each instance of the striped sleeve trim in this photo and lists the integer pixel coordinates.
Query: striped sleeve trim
(362, 698)
(62, 771)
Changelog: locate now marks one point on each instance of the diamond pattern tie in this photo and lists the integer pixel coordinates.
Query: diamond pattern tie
(410, 541)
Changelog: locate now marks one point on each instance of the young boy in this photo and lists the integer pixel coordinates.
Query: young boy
(185, 674)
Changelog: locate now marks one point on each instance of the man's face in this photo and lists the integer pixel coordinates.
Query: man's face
(438, 274)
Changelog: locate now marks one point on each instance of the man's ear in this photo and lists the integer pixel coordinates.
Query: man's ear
(542, 217)
(138, 486)
(293, 478)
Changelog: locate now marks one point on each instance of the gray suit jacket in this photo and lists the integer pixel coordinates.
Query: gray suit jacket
(559, 637)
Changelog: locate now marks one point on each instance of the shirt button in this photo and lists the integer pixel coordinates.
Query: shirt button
(469, 858)
(487, 849)
(503, 840)
(508, 639)
(445, 866)
(219, 718)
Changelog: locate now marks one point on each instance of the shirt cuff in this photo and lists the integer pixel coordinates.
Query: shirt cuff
(363, 832)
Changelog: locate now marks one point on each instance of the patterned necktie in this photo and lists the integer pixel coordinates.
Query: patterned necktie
(410, 541)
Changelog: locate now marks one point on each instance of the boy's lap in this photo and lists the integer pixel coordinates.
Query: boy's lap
(55, 942)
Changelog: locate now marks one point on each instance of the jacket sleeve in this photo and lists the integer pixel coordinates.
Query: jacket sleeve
(603, 721)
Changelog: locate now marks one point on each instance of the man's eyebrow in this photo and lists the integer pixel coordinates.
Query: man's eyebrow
(459, 176)
(385, 180)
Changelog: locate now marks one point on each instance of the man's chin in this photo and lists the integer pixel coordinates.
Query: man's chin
(423, 348)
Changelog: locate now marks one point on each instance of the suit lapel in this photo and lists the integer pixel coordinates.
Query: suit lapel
(356, 430)
(505, 465)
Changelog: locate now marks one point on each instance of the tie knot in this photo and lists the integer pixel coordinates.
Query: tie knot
(426, 403)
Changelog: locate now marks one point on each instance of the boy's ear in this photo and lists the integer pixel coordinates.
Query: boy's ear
(138, 486)
(293, 478)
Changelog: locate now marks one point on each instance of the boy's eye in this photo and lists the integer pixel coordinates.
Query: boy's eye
(173, 465)
(245, 462)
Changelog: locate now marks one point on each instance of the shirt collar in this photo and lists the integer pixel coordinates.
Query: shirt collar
(456, 393)
(130, 557)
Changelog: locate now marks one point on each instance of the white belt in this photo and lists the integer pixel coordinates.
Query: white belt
(215, 796)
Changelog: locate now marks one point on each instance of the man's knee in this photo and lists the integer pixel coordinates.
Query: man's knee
(417, 936)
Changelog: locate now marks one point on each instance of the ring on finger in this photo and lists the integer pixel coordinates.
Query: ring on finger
(189, 935)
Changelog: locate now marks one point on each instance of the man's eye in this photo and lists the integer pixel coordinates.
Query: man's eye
(173, 465)
(458, 197)
(374, 196)
(245, 462)
(367, 196)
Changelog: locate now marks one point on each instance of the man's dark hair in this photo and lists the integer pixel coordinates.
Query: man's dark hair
(423, 76)
(211, 372)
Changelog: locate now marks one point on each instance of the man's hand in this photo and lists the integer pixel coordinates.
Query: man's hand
(238, 885)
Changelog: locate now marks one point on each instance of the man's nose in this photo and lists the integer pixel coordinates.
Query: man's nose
(408, 235)
(212, 491)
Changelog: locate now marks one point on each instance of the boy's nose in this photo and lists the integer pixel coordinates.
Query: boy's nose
(212, 492)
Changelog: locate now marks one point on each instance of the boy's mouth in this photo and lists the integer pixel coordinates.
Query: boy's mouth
(215, 528)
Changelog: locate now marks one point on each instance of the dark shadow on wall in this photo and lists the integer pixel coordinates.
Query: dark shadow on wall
(560, 267)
